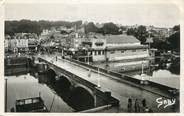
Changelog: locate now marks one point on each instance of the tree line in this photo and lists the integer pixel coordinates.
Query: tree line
(28, 26)
(107, 28)
(159, 42)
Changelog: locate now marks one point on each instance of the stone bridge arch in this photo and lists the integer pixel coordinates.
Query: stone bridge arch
(51, 75)
(82, 97)
(64, 82)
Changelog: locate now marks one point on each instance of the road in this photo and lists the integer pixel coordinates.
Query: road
(121, 91)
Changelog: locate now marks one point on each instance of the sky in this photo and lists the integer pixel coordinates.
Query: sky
(160, 15)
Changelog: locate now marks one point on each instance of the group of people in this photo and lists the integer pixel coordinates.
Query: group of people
(137, 106)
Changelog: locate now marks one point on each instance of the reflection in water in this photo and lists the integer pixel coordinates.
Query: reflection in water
(25, 86)
(173, 65)
(78, 98)
(68, 98)
(162, 72)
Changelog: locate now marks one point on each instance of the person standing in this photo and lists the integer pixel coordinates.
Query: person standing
(137, 106)
(89, 74)
(129, 105)
(144, 103)
(56, 58)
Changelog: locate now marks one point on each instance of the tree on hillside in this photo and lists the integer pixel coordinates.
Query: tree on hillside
(77, 23)
(28, 26)
(110, 28)
(140, 33)
(160, 44)
(22, 26)
(176, 28)
(132, 31)
(174, 41)
(90, 27)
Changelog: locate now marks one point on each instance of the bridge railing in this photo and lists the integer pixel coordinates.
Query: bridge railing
(153, 87)
(125, 77)
(102, 70)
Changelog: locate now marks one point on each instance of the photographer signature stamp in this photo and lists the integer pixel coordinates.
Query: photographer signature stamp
(165, 102)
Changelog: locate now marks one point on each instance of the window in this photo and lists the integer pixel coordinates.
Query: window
(122, 51)
(95, 52)
(112, 52)
(103, 52)
(99, 43)
(99, 52)
(144, 49)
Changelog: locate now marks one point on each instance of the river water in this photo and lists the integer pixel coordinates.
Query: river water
(26, 86)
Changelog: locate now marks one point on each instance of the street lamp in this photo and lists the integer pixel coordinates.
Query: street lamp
(142, 68)
(142, 74)
(88, 56)
(149, 41)
(98, 85)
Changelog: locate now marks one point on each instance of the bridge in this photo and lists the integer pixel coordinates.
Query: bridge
(105, 87)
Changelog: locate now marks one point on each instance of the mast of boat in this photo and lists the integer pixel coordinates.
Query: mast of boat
(142, 74)
(52, 103)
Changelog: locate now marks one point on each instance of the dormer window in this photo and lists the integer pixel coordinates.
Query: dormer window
(99, 43)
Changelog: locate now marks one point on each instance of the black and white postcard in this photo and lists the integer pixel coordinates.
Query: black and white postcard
(82, 56)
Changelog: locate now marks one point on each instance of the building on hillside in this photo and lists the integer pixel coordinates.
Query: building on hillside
(18, 45)
(33, 45)
(159, 32)
(6, 42)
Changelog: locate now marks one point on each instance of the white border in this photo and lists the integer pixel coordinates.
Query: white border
(179, 3)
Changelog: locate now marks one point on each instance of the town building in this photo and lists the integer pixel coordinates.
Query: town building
(21, 42)
(125, 53)
(124, 47)
(116, 52)
(159, 32)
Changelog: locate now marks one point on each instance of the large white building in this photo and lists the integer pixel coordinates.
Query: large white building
(117, 48)
(120, 52)
(124, 47)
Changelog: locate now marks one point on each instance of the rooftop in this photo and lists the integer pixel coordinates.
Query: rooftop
(121, 39)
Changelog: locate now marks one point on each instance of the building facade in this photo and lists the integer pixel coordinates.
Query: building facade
(118, 52)
(124, 47)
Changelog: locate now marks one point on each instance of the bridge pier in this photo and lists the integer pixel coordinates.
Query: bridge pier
(42, 67)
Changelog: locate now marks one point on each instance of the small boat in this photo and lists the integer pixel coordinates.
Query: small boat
(35, 104)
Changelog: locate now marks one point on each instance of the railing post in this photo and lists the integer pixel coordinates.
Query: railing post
(98, 84)
(95, 99)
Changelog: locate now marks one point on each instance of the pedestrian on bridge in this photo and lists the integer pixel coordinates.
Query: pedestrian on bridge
(129, 105)
(144, 103)
(137, 106)
(89, 74)
(56, 58)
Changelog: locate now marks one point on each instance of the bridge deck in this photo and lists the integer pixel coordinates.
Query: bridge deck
(119, 90)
